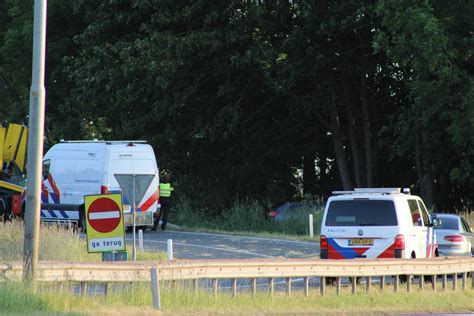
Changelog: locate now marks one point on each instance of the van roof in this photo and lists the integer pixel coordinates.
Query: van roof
(105, 141)
(377, 191)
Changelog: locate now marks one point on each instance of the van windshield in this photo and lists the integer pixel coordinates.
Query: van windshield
(361, 213)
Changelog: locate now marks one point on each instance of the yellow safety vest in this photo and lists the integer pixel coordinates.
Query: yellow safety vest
(165, 189)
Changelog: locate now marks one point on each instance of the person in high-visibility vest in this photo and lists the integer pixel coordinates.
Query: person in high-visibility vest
(165, 201)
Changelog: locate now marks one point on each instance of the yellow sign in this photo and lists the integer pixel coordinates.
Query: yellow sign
(105, 225)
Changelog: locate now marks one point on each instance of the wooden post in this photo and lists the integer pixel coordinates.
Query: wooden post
(354, 285)
(234, 287)
(464, 280)
(455, 281)
(369, 283)
(396, 283)
(155, 288)
(271, 286)
(421, 281)
(306, 286)
(288, 286)
(215, 285)
(338, 285)
(445, 281)
(382, 283)
(409, 283)
(434, 282)
(323, 286)
(254, 286)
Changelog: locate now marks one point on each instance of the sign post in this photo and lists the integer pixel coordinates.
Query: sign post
(105, 224)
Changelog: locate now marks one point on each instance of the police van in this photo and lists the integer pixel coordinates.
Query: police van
(376, 223)
(73, 169)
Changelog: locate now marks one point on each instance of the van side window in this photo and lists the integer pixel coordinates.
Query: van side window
(424, 213)
(46, 165)
(415, 213)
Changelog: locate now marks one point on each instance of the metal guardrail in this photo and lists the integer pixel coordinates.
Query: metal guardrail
(271, 269)
(247, 268)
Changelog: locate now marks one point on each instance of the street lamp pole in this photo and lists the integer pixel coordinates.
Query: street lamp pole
(35, 144)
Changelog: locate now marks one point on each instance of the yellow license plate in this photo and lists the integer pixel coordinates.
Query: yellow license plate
(361, 242)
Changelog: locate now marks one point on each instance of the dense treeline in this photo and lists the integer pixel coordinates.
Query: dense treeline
(261, 99)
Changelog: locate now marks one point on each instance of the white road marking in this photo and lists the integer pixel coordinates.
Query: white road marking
(104, 215)
(209, 247)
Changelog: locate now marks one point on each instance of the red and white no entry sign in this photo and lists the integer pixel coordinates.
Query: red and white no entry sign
(104, 215)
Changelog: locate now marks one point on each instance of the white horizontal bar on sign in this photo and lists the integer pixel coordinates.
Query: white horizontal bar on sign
(104, 215)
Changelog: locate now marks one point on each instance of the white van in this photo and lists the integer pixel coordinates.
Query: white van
(376, 223)
(73, 169)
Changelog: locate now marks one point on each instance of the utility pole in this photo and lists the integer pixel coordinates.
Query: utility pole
(35, 144)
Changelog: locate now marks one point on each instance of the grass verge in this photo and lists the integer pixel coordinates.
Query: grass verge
(56, 243)
(136, 299)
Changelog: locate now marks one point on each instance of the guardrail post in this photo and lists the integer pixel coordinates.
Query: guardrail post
(234, 287)
(271, 286)
(455, 281)
(368, 280)
(155, 288)
(382, 283)
(215, 284)
(396, 283)
(306, 286)
(464, 280)
(354, 284)
(445, 281)
(254, 286)
(288, 286)
(434, 282)
(323, 285)
(421, 280)
(338, 285)
(409, 282)
(195, 285)
(83, 288)
(311, 231)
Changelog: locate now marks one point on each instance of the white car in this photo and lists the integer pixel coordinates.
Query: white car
(455, 237)
(376, 223)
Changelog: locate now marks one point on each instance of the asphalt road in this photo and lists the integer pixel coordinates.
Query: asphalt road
(193, 245)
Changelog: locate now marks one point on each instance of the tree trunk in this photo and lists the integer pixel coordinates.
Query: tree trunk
(339, 146)
(352, 131)
(367, 134)
(309, 171)
(423, 168)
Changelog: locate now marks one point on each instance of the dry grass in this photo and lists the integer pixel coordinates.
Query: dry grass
(56, 243)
